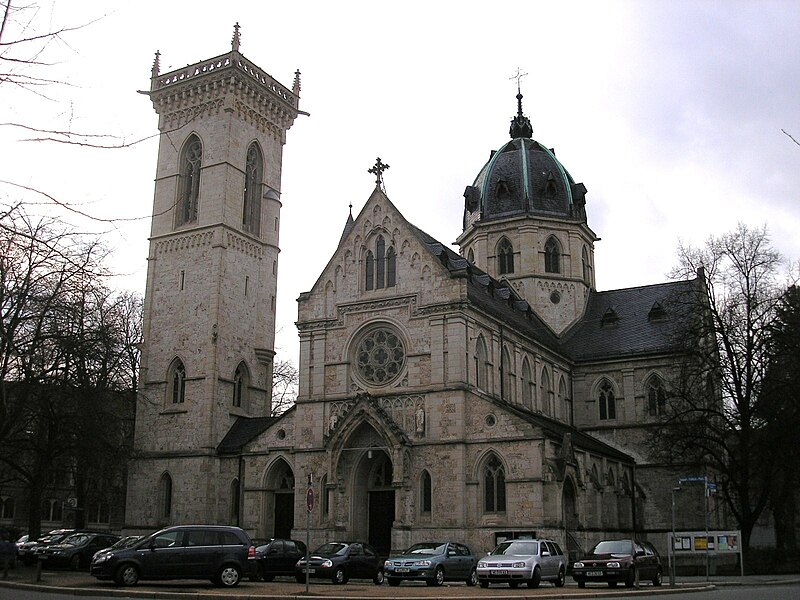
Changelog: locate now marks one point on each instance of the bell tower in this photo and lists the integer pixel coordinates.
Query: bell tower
(209, 307)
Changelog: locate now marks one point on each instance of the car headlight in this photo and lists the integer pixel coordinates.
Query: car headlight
(421, 563)
(613, 564)
(387, 563)
(101, 558)
(518, 565)
(327, 564)
(483, 565)
(577, 565)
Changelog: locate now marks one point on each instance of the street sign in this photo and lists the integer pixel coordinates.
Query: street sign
(310, 499)
(692, 479)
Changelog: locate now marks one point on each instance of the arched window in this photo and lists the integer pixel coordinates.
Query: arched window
(425, 492)
(7, 508)
(552, 256)
(547, 394)
(656, 396)
(189, 181)
(586, 267)
(380, 265)
(241, 381)
(391, 267)
(494, 486)
(165, 497)
(326, 496)
(369, 271)
(471, 256)
(481, 364)
(253, 178)
(177, 382)
(528, 385)
(606, 401)
(509, 379)
(505, 257)
(52, 509)
(566, 401)
(235, 498)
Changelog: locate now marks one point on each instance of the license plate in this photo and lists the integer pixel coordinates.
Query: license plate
(402, 570)
(499, 572)
(594, 573)
(309, 570)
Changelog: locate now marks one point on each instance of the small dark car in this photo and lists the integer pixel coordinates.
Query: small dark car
(277, 557)
(341, 561)
(124, 542)
(27, 551)
(434, 563)
(216, 552)
(619, 561)
(75, 551)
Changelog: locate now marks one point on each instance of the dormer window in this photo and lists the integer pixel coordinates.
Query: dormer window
(610, 318)
(657, 313)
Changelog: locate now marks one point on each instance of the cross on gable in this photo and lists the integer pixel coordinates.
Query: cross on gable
(518, 75)
(378, 170)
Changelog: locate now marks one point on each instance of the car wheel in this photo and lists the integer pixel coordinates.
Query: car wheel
(75, 562)
(630, 578)
(339, 576)
(536, 578)
(513, 584)
(126, 575)
(257, 574)
(612, 584)
(581, 584)
(472, 580)
(562, 578)
(484, 584)
(438, 578)
(378, 579)
(229, 576)
(658, 578)
(394, 581)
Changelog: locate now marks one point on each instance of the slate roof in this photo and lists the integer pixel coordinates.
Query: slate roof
(244, 430)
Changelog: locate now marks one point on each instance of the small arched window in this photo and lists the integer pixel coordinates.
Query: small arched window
(369, 271)
(380, 265)
(177, 382)
(505, 257)
(7, 508)
(528, 385)
(235, 498)
(471, 256)
(481, 364)
(566, 401)
(606, 401)
(253, 178)
(586, 266)
(552, 256)
(494, 486)
(547, 394)
(656, 396)
(391, 267)
(509, 378)
(425, 492)
(189, 181)
(241, 381)
(165, 497)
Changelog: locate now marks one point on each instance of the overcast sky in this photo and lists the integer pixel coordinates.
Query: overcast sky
(669, 112)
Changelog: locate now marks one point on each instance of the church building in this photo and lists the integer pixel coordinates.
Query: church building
(476, 395)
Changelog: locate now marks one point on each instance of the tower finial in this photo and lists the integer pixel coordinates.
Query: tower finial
(237, 38)
(520, 125)
(378, 170)
(156, 65)
(296, 84)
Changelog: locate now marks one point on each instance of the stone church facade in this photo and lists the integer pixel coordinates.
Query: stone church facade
(475, 395)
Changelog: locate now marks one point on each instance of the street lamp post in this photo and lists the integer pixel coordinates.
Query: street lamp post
(671, 553)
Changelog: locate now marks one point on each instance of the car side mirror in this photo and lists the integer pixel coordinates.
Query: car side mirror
(545, 553)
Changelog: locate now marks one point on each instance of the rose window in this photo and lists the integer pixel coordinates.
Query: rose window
(380, 356)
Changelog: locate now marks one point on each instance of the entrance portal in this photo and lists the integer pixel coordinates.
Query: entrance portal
(381, 517)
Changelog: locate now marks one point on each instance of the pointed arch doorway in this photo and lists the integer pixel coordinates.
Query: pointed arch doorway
(279, 506)
(374, 500)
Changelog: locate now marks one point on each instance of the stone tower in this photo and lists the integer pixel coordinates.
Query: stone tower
(209, 309)
(525, 222)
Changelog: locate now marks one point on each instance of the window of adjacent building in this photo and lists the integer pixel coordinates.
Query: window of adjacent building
(177, 382)
(481, 364)
(52, 509)
(165, 496)
(494, 486)
(253, 178)
(606, 401)
(380, 266)
(7, 507)
(99, 512)
(505, 257)
(426, 492)
(656, 396)
(552, 255)
(189, 181)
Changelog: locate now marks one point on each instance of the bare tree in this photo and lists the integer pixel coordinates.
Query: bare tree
(284, 386)
(713, 420)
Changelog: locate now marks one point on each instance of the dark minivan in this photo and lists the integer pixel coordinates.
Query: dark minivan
(216, 552)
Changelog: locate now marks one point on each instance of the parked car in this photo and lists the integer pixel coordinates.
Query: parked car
(277, 557)
(524, 561)
(216, 552)
(615, 561)
(123, 542)
(340, 562)
(434, 563)
(27, 551)
(75, 551)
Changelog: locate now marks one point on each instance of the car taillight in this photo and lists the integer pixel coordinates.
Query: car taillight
(252, 552)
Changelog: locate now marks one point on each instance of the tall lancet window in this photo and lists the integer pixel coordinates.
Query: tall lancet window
(552, 256)
(189, 182)
(380, 257)
(505, 257)
(251, 206)
(380, 266)
(369, 268)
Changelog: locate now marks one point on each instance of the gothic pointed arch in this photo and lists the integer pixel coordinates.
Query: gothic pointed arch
(279, 492)
(505, 257)
(190, 162)
(234, 496)
(606, 400)
(509, 377)
(528, 385)
(481, 364)
(586, 266)
(425, 493)
(546, 393)
(253, 182)
(176, 382)
(552, 255)
(565, 400)
(492, 481)
(656, 394)
(164, 495)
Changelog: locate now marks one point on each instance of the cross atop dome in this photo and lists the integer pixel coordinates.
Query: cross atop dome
(520, 125)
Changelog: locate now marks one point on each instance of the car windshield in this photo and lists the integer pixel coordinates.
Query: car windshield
(126, 542)
(51, 538)
(518, 548)
(426, 548)
(76, 539)
(613, 547)
(331, 548)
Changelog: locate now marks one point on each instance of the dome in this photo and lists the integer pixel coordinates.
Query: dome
(523, 178)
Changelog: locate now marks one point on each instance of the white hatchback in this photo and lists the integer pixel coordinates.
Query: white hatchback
(523, 561)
